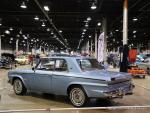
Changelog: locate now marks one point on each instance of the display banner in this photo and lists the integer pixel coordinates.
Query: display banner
(101, 47)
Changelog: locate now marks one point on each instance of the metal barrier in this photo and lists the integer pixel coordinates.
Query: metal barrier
(84, 108)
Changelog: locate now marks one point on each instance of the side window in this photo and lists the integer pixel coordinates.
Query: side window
(46, 64)
(61, 65)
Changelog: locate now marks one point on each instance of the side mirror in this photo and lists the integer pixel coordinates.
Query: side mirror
(33, 68)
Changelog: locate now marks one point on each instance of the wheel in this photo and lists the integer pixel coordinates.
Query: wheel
(19, 87)
(148, 71)
(78, 96)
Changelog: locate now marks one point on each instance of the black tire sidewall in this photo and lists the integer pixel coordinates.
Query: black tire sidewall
(23, 90)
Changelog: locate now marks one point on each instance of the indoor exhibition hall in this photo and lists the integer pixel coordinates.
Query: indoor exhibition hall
(74, 56)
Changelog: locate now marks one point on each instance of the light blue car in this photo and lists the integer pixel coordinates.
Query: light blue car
(79, 78)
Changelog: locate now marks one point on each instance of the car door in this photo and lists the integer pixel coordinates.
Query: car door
(60, 77)
(43, 76)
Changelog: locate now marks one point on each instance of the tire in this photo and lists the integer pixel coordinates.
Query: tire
(148, 71)
(19, 87)
(78, 97)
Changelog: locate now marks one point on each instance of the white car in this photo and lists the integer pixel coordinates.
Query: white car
(22, 60)
(145, 65)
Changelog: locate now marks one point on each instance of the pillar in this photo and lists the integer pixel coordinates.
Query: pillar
(91, 45)
(125, 22)
(17, 42)
(95, 44)
(104, 29)
(27, 46)
(0, 47)
(87, 47)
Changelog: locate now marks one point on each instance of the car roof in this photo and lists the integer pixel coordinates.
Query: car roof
(69, 57)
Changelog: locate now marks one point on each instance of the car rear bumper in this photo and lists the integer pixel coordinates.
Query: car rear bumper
(117, 92)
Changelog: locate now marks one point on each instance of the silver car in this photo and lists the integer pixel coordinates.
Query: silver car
(79, 78)
(145, 65)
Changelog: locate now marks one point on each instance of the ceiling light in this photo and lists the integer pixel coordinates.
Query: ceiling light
(52, 33)
(134, 36)
(11, 29)
(116, 30)
(89, 19)
(82, 36)
(11, 38)
(36, 18)
(84, 30)
(83, 33)
(60, 31)
(7, 32)
(90, 36)
(135, 19)
(134, 31)
(25, 37)
(98, 24)
(43, 24)
(0, 21)
(86, 25)
(23, 5)
(48, 29)
(93, 6)
(46, 8)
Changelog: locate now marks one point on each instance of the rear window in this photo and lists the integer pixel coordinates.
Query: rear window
(89, 64)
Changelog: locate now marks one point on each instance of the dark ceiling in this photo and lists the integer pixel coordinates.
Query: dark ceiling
(69, 16)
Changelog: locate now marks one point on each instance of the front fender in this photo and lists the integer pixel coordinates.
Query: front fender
(17, 76)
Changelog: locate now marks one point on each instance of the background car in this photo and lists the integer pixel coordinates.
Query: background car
(79, 78)
(145, 65)
(22, 60)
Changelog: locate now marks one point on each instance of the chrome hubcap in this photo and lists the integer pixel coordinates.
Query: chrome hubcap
(77, 96)
(18, 86)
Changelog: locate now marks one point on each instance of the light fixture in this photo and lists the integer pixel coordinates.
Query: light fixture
(43, 24)
(82, 36)
(90, 36)
(93, 7)
(98, 24)
(48, 29)
(135, 19)
(52, 33)
(0, 21)
(46, 8)
(134, 36)
(11, 38)
(60, 31)
(84, 30)
(23, 5)
(36, 18)
(134, 31)
(24, 37)
(7, 32)
(83, 33)
(86, 25)
(89, 19)
(11, 29)
(116, 30)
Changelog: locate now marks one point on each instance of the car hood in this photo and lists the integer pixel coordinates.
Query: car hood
(107, 75)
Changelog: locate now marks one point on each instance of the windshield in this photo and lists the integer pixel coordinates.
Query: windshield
(147, 60)
(89, 64)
